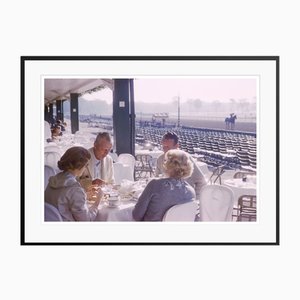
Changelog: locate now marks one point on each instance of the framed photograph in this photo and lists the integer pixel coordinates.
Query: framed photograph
(225, 110)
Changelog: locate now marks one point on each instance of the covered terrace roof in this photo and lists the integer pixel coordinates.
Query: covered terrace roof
(61, 88)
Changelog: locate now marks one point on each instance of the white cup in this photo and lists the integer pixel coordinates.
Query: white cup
(113, 200)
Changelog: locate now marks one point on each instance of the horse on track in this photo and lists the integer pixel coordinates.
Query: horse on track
(230, 122)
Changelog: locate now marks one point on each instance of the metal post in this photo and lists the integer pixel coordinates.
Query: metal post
(74, 113)
(123, 116)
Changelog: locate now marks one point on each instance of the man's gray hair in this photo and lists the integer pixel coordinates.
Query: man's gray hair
(103, 136)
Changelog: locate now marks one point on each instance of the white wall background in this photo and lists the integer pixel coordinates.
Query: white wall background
(148, 28)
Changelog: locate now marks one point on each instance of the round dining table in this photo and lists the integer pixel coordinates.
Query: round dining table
(120, 213)
(240, 187)
(153, 153)
(128, 193)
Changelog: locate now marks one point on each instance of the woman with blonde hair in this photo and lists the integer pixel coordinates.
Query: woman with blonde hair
(160, 194)
(65, 192)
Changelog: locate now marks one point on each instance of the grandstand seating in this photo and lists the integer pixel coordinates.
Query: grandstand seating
(233, 150)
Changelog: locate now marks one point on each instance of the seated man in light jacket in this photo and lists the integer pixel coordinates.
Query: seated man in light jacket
(196, 180)
(99, 170)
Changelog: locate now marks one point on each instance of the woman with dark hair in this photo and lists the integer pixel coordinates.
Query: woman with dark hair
(160, 194)
(65, 192)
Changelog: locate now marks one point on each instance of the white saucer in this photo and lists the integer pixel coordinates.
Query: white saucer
(113, 206)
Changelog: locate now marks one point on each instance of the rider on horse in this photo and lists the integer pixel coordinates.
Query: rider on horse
(230, 121)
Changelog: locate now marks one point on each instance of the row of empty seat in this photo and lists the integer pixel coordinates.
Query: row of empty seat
(232, 149)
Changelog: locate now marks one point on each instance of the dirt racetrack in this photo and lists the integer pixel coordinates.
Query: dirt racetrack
(215, 124)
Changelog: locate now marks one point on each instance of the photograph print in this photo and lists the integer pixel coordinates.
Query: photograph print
(149, 150)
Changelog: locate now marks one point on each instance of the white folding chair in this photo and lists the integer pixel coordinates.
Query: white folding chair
(181, 212)
(216, 203)
(51, 213)
(48, 172)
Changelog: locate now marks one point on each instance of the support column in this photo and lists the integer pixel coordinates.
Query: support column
(60, 110)
(46, 113)
(50, 114)
(132, 117)
(123, 116)
(74, 113)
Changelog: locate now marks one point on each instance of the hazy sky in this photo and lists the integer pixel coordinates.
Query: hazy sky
(207, 89)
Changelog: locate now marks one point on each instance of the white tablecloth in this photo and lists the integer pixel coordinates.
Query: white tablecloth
(129, 192)
(155, 153)
(122, 213)
(240, 187)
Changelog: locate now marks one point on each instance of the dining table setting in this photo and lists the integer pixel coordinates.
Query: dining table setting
(153, 153)
(119, 201)
(241, 186)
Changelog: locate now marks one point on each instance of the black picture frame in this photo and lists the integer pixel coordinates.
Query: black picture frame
(26, 103)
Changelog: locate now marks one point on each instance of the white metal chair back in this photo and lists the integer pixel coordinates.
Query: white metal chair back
(216, 203)
(181, 212)
(48, 172)
(127, 159)
(121, 172)
(51, 213)
(143, 166)
(217, 173)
